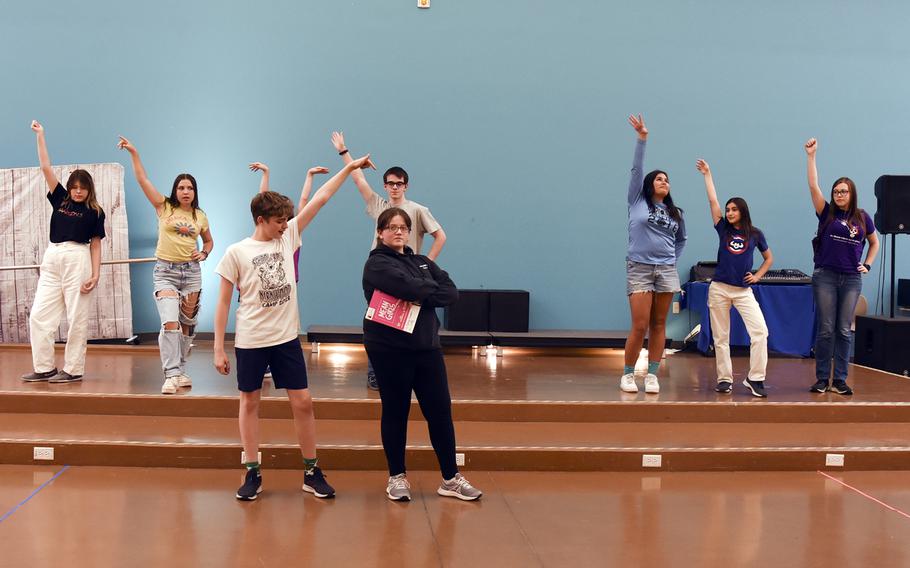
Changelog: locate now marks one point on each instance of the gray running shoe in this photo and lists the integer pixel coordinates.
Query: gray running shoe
(399, 489)
(460, 488)
(64, 377)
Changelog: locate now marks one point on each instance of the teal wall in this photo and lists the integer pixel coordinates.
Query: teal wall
(510, 117)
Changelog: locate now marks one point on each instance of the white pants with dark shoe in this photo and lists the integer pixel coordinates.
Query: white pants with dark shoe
(64, 268)
(721, 297)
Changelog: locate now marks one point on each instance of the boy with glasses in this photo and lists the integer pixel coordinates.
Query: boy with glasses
(395, 181)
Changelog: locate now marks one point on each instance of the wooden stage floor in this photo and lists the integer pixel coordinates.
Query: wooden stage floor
(584, 375)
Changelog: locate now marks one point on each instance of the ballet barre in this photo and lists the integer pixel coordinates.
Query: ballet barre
(103, 262)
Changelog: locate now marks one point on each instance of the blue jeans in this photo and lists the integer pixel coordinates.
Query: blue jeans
(836, 294)
(182, 278)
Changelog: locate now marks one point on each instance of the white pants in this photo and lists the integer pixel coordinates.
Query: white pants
(64, 268)
(720, 298)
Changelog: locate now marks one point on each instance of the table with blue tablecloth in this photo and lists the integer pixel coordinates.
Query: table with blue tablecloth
(789, 312)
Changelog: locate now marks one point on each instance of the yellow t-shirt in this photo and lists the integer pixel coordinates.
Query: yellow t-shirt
(177, 233)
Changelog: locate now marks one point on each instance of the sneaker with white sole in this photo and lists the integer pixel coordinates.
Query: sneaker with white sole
(169, 386)
(252, 485)
(460, 488)
(651, 384)
(627, 383)
(184, 381)
(399, 489)
(314, 482)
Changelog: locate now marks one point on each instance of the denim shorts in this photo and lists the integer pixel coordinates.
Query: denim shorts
(285, 360)
(641, 277)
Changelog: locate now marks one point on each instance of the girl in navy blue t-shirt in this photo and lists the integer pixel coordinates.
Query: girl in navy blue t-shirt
(69, 272)
(731, 287)
(837, 281)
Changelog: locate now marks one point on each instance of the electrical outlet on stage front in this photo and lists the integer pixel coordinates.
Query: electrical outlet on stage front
(459, 459)
(834, 460)
(650, 460)
(40, 453)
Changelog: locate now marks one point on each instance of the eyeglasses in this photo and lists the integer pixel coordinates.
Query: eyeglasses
(395, 184)
(396, 228)
(841, 192)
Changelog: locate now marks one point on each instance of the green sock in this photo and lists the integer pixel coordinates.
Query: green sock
(310, 463)
(653, 366)
(628, 369)
(252, 465)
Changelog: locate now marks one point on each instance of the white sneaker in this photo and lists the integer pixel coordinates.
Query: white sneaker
(651, 384)
(169, 386)
(184, 380)
(627, 383)
(399, 489)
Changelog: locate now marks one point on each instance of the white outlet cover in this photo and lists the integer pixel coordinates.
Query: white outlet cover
(459, 459)
(42, 453)
(651, 460)
(834, 460)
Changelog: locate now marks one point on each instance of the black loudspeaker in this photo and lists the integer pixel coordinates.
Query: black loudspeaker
(509, 310)
(903, 293)
(893, 214)
(470, 313)
(882, 342)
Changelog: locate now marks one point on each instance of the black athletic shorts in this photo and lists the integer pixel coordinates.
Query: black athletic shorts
(285, 360)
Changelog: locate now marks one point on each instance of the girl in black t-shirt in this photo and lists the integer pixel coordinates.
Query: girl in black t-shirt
(69, 271)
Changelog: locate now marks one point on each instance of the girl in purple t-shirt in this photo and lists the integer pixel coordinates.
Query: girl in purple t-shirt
(843, 229)
(731, 287)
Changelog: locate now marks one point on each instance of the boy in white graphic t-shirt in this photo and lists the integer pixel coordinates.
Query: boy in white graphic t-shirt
(261, 267)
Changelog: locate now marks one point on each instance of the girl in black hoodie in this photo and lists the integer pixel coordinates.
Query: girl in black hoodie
(406, 362)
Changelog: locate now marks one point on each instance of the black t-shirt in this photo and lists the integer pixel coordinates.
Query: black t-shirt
(73, 221)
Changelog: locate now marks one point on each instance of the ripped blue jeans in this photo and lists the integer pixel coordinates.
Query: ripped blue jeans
(177, 289)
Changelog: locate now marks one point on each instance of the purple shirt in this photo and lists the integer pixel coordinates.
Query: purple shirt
(841, 242)
(734, 255)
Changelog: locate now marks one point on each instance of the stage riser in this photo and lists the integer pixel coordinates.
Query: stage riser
(227, 407)
(498, 459)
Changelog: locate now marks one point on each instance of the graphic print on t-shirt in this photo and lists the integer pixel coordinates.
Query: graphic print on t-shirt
(181, 227)
(275, 289)
(736, 244)
(660, 217)
(853, 231)
(63, 210)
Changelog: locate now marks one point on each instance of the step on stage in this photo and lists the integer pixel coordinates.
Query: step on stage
(532, 409)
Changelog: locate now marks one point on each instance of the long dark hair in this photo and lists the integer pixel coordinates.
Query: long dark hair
(746, 228)
(84, 179)
(647, 189)
(854, 213)
(175, 204)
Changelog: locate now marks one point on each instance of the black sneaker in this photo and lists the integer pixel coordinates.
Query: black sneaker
(819, 386)
(64, 377)
(372, 383)
(757, 388)
(35, 376)
(314, 482)
(840, 387)
(252, 485)
(724, 387)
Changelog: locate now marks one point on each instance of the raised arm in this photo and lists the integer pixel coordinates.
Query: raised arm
(328, 189)
(43, 157)
(360, 180)
(308, 185)
(152, 194)
(705, 169)
(818, 199)
(264, 182)
(221, 316)
(637, 177)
